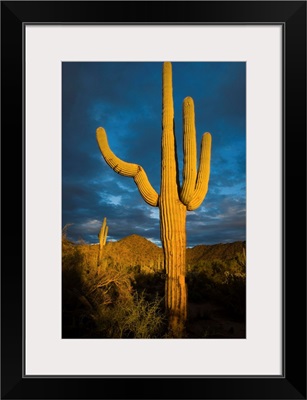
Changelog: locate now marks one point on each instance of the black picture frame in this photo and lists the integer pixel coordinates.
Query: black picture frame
(292, 16)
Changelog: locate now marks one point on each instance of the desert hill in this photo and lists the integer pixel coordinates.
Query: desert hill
(221, 251)
(135, 250)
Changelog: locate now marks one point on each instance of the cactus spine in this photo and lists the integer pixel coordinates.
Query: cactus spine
(102, 236)
(173, 201)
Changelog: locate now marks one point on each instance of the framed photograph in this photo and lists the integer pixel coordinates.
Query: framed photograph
(163, 190)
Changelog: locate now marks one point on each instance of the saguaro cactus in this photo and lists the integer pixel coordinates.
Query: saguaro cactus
(173, 201)
(102, 236)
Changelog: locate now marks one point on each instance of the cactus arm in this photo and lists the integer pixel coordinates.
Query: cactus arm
(189, 151)
(121, 167)
(203, 173)
(127, 169)
(147, 191)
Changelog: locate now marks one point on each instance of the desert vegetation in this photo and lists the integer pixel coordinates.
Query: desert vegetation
(124, 297)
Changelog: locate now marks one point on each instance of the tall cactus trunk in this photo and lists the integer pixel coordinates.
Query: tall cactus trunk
(172, 216)
(174, 201)
(173, 237)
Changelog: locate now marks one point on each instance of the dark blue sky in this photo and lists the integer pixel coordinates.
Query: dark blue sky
(126, 99)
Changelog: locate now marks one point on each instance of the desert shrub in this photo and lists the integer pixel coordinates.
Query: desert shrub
(72, 262)
(104, 303)
(201, 286)
(121, 311)
(144, 318)
(136, 318)
(76, 308)
(221, 282)
(150, 285)
(232, 294)
(237, 266)
(134, 269)
(110, 285)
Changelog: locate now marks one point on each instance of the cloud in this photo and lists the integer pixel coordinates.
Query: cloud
(125, 98)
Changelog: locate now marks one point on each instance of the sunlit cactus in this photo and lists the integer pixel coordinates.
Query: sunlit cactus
(102, 236)
(173, 200)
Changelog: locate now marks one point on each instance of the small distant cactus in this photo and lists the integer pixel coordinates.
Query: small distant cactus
(173, 201)
(242, 260)
(244, 256)
(102, 236)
